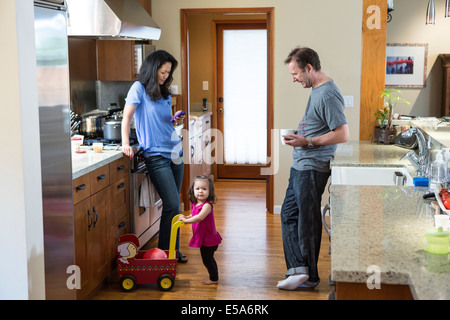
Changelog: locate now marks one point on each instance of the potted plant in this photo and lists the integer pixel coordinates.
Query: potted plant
(385, 131)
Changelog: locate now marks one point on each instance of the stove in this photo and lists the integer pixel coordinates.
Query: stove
(133, 140)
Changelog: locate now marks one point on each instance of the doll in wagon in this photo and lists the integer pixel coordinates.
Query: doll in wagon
(127, 248)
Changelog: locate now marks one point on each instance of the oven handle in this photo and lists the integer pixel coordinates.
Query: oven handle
(140, 170)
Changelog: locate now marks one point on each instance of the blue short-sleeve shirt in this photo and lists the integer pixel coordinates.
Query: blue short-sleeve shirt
(154, 130)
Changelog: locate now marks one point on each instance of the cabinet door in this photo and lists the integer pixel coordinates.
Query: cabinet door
(118, 217)
(82, 220)
(96, 237)
(115, 60)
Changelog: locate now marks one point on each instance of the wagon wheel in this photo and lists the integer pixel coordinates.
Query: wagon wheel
(166, 282)
(127, 283)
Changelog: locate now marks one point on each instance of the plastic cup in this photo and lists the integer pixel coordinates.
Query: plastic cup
(98, 146)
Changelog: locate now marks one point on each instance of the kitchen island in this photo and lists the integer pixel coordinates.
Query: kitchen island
(376, 234)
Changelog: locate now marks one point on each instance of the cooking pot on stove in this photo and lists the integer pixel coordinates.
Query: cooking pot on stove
(112, 129)
(92, 121)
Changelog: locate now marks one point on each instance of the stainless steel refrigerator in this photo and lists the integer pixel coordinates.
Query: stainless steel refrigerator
(53, 93)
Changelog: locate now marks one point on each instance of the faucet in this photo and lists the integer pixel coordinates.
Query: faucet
(422, 160)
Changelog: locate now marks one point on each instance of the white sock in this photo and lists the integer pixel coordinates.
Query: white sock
(292, 282)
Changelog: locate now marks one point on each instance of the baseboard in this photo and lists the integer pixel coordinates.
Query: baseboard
(276, 209)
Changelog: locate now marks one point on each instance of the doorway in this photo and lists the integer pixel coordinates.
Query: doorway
(188, 15)
(241, 79)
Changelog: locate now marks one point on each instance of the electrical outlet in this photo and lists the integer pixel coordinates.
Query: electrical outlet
(205, 85)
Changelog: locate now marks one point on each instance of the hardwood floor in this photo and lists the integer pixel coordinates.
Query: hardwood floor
(250, 258)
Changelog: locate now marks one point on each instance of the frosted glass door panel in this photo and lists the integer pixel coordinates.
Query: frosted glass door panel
(245, 96)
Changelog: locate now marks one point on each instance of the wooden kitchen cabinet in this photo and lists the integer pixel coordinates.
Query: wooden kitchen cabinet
(101, 215)
(199, 147)
(90, 241)
(115, 60)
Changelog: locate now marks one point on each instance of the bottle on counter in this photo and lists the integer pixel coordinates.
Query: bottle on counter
(438, 172)
(447, 160)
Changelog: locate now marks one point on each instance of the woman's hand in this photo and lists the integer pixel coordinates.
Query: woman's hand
(179, 119)
(128, 151)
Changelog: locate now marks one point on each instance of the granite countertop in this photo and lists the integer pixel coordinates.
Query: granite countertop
(83, 163)
(382, 226)
(366, 153)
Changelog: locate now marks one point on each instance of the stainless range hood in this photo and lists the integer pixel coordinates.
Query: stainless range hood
(110, 19)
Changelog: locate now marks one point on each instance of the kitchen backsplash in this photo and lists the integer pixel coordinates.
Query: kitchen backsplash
(89, 95)
(111, 92)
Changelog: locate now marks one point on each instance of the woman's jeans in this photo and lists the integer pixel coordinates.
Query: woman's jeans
(167, 178)
(301, 222)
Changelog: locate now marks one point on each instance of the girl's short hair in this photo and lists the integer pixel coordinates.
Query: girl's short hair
(212, 196)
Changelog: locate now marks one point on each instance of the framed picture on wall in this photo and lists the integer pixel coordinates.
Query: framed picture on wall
(406, 65)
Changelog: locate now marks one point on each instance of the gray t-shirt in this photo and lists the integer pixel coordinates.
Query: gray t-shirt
(324, 113)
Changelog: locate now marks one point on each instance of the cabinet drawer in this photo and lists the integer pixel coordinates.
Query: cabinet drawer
(99, 179)
(206, 122)
(119, 168)
(81, 188)
(120, 200)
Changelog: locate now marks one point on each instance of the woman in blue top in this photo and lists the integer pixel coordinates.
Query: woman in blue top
(149, 101)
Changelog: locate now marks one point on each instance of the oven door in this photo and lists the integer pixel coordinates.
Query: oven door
(147, 206)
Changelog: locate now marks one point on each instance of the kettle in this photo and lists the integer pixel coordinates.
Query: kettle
(436, 241)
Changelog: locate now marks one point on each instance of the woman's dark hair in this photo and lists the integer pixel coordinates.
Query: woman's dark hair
(303, 57)
(148, 74)
(212, 196)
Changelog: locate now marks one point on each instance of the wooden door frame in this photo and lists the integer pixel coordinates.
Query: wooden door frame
(270, 12)
(373, 66)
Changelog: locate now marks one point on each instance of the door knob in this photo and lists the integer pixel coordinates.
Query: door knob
(221, 110)
(220, 99)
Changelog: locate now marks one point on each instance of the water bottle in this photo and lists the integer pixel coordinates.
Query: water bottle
(438, 171)
(447, 160)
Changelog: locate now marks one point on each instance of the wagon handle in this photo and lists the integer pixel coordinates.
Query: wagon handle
(173, 235)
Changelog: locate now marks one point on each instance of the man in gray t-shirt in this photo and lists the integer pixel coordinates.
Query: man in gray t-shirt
(322, 127)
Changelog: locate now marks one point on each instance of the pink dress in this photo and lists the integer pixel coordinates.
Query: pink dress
(204, 232)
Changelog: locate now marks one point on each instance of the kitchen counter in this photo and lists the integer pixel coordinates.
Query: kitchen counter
(83, 163)
(366, 153)
(382, 226)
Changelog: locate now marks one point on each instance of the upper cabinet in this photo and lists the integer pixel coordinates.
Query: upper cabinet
(104, 60)
(115, 60)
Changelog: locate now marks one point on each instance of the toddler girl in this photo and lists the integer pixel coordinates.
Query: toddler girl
(205, 235)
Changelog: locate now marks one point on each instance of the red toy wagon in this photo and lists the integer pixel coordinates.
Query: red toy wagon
(134, 269)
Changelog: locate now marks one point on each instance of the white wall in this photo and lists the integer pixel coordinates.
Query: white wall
(332, 28)
(21, 238)
(408, 26)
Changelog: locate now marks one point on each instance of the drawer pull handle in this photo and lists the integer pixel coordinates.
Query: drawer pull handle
(120, 167)
(121, 185)
(101, 177)
(80, 187)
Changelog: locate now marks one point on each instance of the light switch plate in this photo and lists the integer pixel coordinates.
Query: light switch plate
(205, 85)
(348, 100)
